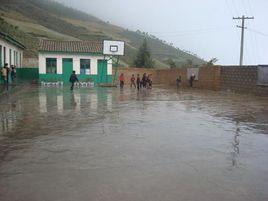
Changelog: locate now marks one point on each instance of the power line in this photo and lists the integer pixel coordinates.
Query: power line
(258, 32)
(243, 18)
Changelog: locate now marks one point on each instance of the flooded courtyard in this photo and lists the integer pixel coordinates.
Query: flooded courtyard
(104, 144)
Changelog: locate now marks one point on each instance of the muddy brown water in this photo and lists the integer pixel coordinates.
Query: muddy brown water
(104, 144)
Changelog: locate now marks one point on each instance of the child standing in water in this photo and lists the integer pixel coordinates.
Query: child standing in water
(122, 80)
(178, 81)
(73, 79)
(132, 81)
(144, 80)
(138, 81)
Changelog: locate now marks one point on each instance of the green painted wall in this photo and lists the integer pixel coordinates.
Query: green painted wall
(27, 73)
(81, 78)
(24, 74)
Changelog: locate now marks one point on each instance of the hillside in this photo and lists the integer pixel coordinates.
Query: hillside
(29, 20)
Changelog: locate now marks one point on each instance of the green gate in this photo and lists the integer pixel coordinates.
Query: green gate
(67, 69)
(102, 71)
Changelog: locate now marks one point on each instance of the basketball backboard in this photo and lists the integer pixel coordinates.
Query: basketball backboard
(112, 47)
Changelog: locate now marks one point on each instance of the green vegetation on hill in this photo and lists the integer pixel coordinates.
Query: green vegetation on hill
(29, 20)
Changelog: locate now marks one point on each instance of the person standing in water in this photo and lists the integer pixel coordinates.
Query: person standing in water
(122, 80)
(13, 73)
(144, 80)
(178, 81)
(192, 78)
(149, 81)
(138, 82)
(4, 74)
(132, 81)
(73, 79)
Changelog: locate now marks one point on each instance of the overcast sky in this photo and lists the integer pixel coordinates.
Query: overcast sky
(204, 27)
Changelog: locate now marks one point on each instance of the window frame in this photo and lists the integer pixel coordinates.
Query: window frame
(10, 57)
(1, 61)
(52, 68)
(5, 55)
(85, 66)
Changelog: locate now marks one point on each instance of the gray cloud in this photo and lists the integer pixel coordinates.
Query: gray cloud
(204, 27)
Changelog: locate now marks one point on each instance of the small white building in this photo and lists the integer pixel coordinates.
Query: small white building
(57, 60)
(11, 51)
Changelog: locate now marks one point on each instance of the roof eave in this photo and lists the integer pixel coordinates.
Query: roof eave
(12, 40)
(69, 52)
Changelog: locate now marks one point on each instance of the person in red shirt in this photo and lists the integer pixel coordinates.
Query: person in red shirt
(122, 80)
(132, 81)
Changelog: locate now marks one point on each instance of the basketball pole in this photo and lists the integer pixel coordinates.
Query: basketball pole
(116, 69)
(116, 65)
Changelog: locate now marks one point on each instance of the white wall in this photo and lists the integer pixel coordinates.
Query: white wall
(76, 62)
(13, 48)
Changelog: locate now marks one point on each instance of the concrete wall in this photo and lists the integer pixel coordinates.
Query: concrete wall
(16, 54)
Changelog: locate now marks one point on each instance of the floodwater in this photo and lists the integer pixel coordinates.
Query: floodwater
(104, 144)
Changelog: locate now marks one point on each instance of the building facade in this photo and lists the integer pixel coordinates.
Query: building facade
(57, 60)
(11, 51)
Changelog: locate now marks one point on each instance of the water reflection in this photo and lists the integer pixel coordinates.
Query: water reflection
(75, 100)
(9, 116)
(235, 144)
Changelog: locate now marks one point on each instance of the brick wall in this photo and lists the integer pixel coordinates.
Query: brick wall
(234, 78)
(209, 77)
(129, 71)
(242, 79)
(30, 63)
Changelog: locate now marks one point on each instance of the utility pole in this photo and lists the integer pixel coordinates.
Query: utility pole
(243, 18)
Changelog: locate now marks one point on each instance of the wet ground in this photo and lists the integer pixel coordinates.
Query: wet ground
(109, 145)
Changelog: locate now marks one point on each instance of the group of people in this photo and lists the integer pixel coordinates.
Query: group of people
(191, 80)
(137, 82)
(7, 72)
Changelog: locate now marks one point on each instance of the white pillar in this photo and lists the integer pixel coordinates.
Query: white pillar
(109, 67)
(76, 65)
(42, 64)
(59, 65)
(94, 66)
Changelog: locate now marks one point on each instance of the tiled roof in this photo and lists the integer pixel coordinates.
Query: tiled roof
(11, 40)
(71, 46)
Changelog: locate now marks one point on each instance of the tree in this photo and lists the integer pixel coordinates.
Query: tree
(211, 62)
(171, 63)
(189, 62)
(143, 58)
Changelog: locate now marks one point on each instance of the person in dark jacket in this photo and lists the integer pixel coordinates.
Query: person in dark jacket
(138, 81)
(144, 80)
(13, 73)
(178, 81)
(73, 79)
(192, 78)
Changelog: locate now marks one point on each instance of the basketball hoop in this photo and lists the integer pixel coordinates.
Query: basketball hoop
(113, 49)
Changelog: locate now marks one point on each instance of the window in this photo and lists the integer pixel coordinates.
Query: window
(51, 66)
(14, 57)
(20, 63)
(17, 59)
(1, 61)
(5, 55)
(84, 66)
(10, 57)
